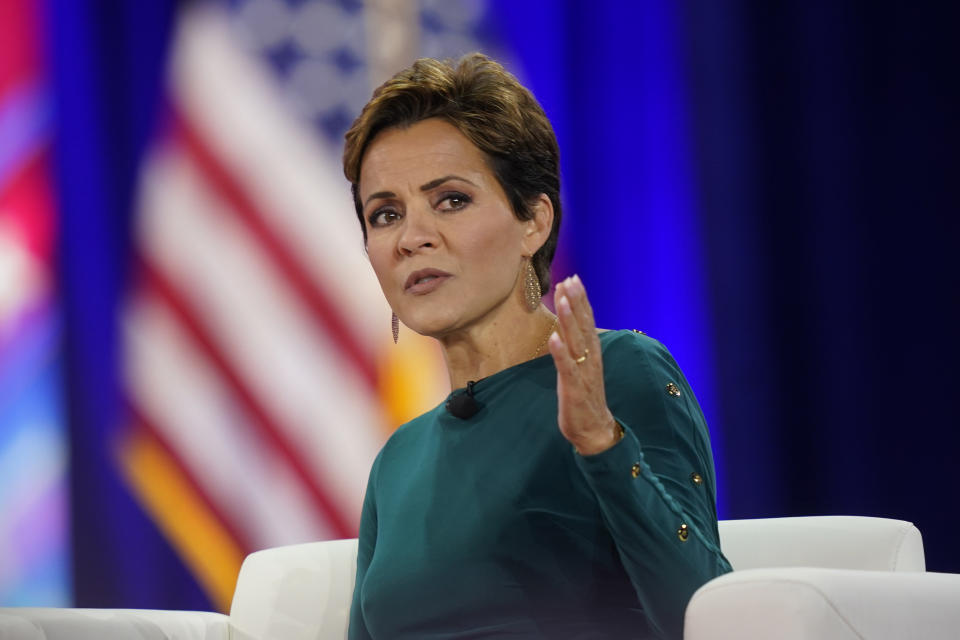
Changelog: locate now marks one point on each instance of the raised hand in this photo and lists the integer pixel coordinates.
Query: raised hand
(583, 415)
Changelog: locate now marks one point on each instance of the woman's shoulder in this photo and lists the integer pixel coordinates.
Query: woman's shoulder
(646, 387)
(631, 355)
(629, 341)
(400, 444)
(412, 433)
(611, 336)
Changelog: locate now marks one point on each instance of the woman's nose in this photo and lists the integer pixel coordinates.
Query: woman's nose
(419, 232)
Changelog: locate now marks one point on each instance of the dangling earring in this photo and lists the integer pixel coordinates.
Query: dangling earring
(395, 325)
(531, 287)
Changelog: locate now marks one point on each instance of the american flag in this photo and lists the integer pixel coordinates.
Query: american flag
(260, 370)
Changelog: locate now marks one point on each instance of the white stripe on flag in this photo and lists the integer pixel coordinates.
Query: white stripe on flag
(322, 406)
(196, 416)
(290, 171)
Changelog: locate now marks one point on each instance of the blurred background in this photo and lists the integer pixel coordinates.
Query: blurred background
(195, 359)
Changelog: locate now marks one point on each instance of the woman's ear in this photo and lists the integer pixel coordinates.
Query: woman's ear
(538, 228)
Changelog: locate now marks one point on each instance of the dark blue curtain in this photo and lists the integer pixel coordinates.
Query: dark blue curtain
(613, 79)
(107, 62)
(771, 189)
(827, 138)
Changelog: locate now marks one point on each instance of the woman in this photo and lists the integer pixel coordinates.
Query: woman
(568, 494)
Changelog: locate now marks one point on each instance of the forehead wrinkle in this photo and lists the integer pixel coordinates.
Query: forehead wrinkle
(398, 152)
(474, 176)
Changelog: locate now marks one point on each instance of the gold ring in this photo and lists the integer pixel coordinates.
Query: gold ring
(583, 358)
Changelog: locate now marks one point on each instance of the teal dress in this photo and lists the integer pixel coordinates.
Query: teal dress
(494, 527)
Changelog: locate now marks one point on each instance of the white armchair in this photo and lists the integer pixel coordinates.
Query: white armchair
(824, 578)
(829, 578)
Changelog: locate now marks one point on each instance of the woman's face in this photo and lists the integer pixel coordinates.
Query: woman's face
(441, 235)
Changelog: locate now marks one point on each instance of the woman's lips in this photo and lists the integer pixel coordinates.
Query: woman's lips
(426, 284)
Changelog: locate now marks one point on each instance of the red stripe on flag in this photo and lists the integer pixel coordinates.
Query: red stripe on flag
(310, 292)
(155, 282)
(148, 428)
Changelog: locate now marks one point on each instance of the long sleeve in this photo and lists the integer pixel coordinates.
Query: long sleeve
(365, 546)
(493, 526)
(655, 487)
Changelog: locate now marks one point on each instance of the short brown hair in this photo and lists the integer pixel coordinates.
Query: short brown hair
(491, 109)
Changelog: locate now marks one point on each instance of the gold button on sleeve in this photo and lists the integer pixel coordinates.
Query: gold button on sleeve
(673, 390)
(683, 532)
(635, 469)
(696, 479)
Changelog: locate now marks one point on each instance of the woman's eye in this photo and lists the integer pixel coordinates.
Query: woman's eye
(453, 201)
(383, 217)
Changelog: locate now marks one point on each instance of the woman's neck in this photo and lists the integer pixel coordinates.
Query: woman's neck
(508, 338)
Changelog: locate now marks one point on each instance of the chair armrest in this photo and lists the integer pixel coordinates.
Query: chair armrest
(297, 592)
(838, 542)
(824, 604)
(41, 623)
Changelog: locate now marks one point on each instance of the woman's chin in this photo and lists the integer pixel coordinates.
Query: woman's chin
(431, 326)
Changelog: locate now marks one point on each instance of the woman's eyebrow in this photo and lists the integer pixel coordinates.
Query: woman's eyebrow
(379, 194)
(440, 181)
(426, 187)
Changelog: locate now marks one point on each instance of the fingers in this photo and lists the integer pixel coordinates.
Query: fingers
(562, 346)
(569, 328)
(585, 309)
(582, 413)
(566, 366)
(575, 315)
(581, 307)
